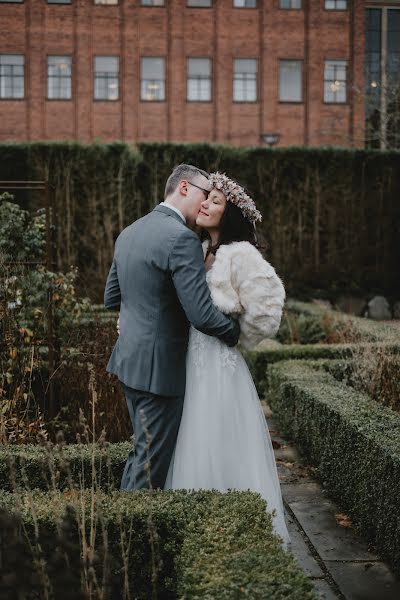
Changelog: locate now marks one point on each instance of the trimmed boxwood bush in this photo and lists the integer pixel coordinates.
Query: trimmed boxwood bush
(258, 360)
(353, 440)
(177, 544)
(367, 329)
(56, 466)
(350, 197)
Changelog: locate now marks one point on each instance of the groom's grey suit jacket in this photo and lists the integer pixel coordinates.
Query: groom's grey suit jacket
(157, 281)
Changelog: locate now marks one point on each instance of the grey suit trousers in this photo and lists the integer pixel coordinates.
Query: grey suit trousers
(155, 421)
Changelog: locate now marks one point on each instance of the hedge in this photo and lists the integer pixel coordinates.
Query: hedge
(258, 361)
(57, 466)
(368, 329)
(331, 216)
(177, 545)
(353, 440)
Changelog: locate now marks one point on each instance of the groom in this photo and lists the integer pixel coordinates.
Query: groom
(157, 281)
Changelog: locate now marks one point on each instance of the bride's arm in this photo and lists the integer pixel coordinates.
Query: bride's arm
(261, 294)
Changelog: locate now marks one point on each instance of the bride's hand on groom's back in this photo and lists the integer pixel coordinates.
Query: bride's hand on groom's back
(118, 325)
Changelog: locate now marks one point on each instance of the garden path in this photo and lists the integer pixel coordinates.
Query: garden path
(337, 560)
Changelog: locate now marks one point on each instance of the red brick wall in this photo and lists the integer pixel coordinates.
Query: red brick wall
(222, 33)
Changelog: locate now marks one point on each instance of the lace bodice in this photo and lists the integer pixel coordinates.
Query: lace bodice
(202, 346)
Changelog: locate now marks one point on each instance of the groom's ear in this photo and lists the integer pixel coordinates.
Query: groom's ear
(183, 187)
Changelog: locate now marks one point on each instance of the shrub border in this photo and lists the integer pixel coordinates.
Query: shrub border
(220, 545)
(60, 466)
(354, 442)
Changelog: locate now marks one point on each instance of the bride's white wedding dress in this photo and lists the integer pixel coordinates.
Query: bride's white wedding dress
(223, 441)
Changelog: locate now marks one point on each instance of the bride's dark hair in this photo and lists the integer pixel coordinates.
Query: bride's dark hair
(234, 226)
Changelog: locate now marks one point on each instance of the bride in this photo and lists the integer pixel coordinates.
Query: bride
(223, 441)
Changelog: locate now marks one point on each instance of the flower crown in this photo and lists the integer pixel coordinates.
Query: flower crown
(236, 194)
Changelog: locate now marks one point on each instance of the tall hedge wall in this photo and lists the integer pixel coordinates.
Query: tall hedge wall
(331, 216)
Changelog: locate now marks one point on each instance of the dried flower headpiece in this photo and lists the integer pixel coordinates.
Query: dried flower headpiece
(236, 194)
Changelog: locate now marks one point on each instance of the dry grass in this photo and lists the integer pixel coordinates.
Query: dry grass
(376, 372)
(94, 557)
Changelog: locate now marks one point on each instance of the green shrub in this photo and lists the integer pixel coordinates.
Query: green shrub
(258, 360)
(25, 290)
(154, 544)
(348, 196)
(353, 440)
(61, 466)
(362, 329)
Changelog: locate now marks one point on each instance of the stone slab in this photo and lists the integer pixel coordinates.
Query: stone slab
(301, 551)
(308, 491)
(364, 580)
(331, 541)
(324, 590)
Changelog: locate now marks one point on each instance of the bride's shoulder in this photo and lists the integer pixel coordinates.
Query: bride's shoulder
(244, 256)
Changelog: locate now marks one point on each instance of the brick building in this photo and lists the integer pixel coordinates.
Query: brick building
(228, 71)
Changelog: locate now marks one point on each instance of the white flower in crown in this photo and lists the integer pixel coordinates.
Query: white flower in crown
(236, 194)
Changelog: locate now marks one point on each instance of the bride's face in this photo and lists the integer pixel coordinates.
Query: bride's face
(211, 210)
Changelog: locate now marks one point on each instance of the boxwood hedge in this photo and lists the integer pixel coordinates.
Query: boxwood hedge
(57, 466)
(354, 441)
(154, 544)
(258, 360)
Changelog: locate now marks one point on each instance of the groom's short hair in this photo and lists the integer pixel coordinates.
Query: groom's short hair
(181, 172)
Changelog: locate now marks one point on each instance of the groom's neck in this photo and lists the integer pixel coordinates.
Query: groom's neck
(176, 203)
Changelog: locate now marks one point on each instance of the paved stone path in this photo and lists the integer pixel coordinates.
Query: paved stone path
(337, 560)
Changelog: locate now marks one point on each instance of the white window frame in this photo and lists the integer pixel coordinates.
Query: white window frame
(299, 62)
(111, 79)
(335, 63)
(252, 79)
(198, 79)
(333, 5)
(57, 78)
(11, 77)
(146, 84)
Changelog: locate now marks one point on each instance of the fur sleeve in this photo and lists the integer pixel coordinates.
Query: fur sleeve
(261, 294)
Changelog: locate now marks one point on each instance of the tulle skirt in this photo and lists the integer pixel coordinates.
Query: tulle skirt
(223, 441)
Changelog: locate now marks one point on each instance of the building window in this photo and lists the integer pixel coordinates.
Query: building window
(58, 1)
(382, 67)
(335, 79)
(106, 78)
(336, 4)
(290, 4)
(106, 2)
(245, 80)
(199, 79)
(13, 1)
(11, 76)
(290, 81)
(152, 2)
(373, 59)
(59, 78)
(199, 3)
(245, 3)
(152, 79)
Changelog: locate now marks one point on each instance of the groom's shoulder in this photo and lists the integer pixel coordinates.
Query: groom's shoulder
(160, 229)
